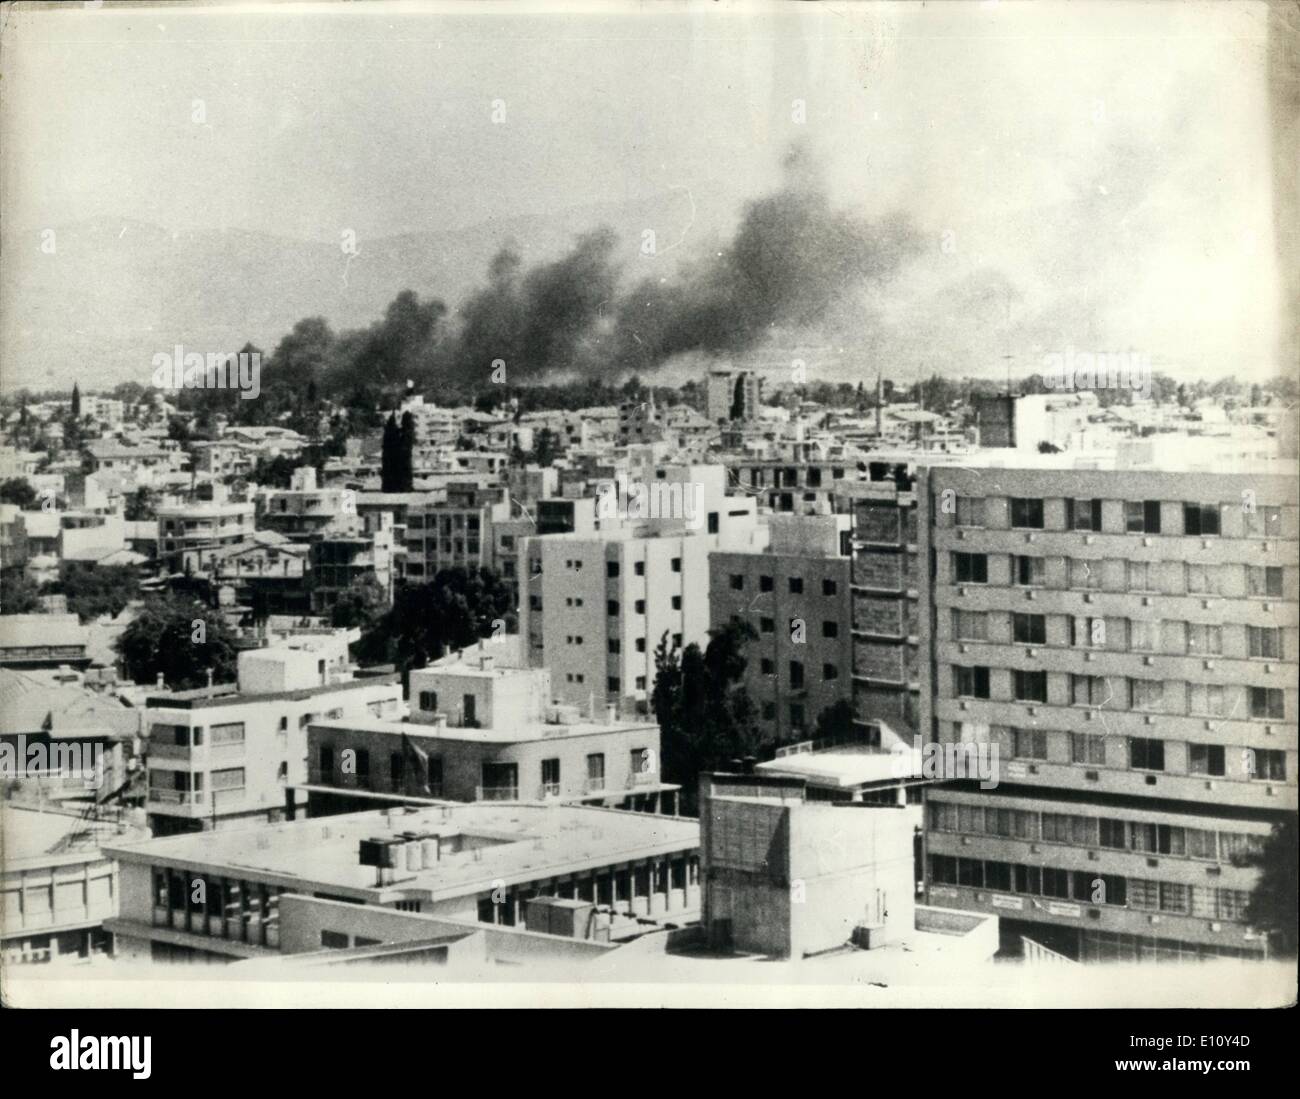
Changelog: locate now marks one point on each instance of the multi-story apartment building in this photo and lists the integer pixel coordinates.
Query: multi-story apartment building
(219, 757)
(480, 731)
(802, 487)
(338, 561)
(598, 604)
(456, 531)
(212, 521)
(795, 596)
(1127, 639)
(886, 608)
(304, 509)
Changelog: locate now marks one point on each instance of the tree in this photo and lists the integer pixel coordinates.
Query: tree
(140, 507)
(706, 720)
(835, 723)
(454, 610)
(406, 451)
(1272, 905)
(274, 472)
(363, 605)
(94, 590)
(180, 639)
(546, 448)
(18, 593)
(18, 490)
(76, 402)
(390, 463)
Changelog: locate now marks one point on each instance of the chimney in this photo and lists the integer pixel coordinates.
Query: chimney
(162, 683)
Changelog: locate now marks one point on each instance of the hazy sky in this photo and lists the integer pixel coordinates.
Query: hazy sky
(1103, 172)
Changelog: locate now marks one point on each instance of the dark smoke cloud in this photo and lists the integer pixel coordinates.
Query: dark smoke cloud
(794, 264)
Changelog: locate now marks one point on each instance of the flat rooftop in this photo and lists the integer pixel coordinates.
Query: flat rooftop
(514, 734)
(485, 844)
(226, 694)
(847, 766)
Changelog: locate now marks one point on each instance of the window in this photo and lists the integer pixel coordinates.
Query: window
(1083, 515)
(1201, 519)
(1264, 522)
(830, 671)
(397, 771)
(615, 645)
(737, 582)
(1146, 754)
(1147, 695)
(713, 522)
(1026, 513)
(640, 683)
(796, 585)
(611, 569)
(1029, 743)
(1030, 686)
(1090, 690)
(796, 675)
(677, 602)
(972, 682)
(1204, 640)
(639, 644)
(550, 777)
(1085, 575)
(970, 625)
(1269, 764)
(1141, 576)
(971, 568)
(1199, 580)
(1265, 580)
(766, 625)
(1267, 702)
(1142, 516)
(767, 666)
(1205, 759)
(676, 564)
(596, 771)
(1143, 636)
(1029, 628)
(613, 685)
(639, 568)
(1113, 833)
(1028, 571)
(639, 606)
(970, 511)
(796, 716)
(611, 608)
(829, 587)
(1089, 748)
(1205, 699)
(830, 629)
(326, 758)
(1265, 641)
(231, 778)
(764, 583)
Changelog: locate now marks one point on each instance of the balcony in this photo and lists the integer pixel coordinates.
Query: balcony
(594, 785)
(176, 797)
(549, 790)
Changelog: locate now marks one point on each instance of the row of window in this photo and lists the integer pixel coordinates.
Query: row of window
(1140, 516)
(793, 583)
(1087, 887)
(1087, 831)
(1170, 636)
(1171, 697)
(1146, 753)
(224, 908)
(1118, 575)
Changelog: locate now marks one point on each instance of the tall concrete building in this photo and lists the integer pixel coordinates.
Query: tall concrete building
(733, 395)
(886, 603)
(795, 596)
(599, 603)
(1127, 639)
